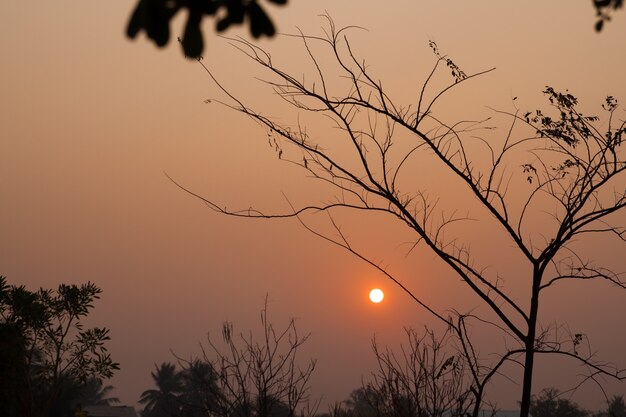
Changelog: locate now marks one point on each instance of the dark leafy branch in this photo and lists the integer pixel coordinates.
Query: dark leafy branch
(154, 16)
(604, 9)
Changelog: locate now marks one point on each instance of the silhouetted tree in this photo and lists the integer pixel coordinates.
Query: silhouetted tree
(559, 160)
(12, 366)
(257, 378)
(66, 402)
(548, 404)
(164, 400)
(617, 407)
(94, 392)
(200, 393)
(190, 392)
(46, 352)
(365, 402)
(75, 394)
(426, 378)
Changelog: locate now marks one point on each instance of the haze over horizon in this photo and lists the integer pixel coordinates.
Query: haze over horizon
(90, 122)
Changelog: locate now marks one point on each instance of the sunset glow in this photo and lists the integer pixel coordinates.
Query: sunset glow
(376, 295)
(128, 165)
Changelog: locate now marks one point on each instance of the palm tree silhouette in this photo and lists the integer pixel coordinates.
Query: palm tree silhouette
(94, 392)
(201, 393)
(163, 401)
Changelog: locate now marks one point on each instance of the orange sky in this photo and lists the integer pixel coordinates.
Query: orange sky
(90, 121)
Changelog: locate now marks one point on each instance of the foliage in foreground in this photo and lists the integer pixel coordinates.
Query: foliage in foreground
(154, 16)
(48, 360)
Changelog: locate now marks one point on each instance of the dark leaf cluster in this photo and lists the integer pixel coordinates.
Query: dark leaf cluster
(457, 73)
(154, 16)
(562, 169)
(604, 9)
(530, 170)
(569, 126)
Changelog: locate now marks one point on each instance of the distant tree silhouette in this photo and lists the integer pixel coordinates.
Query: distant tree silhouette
(559, 160)
(549, 404)
(164, 400)
(190, 392)
(200, 394)
(46, 355)
(365, 402)
(257, 378)
(617, 407)
(427, 377)
(75, 394)
(94, 392)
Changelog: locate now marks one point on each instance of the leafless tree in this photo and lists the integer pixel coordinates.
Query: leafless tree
(558, 161)
(425, 378)
(258, 377)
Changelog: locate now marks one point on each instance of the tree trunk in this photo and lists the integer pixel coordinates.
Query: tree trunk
(528, 378)
(478, 394)
(529, 358)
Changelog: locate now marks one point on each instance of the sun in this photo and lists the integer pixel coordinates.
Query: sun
(376, 295)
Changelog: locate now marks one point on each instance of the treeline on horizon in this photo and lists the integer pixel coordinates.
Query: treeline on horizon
(52, 366)
(191, 390)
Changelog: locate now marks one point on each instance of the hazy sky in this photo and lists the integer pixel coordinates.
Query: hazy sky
(90, 121)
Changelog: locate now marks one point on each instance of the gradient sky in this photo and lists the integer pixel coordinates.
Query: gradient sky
(90, 121)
